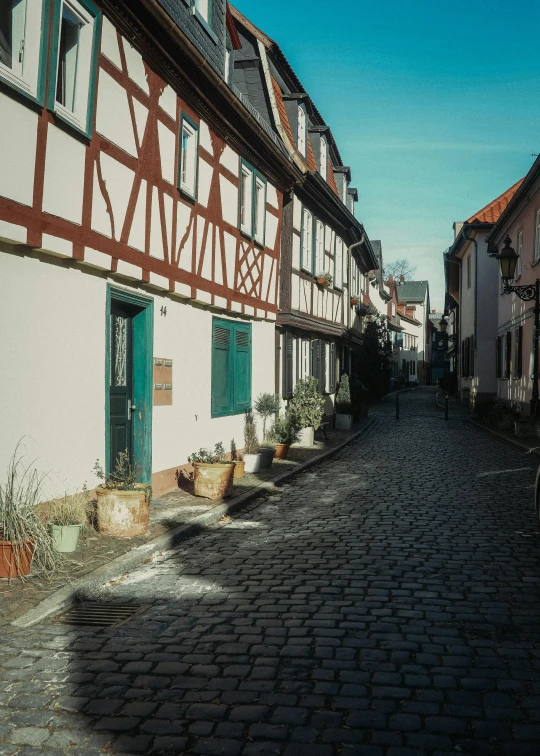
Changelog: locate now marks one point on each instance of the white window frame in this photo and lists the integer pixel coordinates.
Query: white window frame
(259, 210)
(188, 162)
(25, 76)
(338, 263)
(306, 242)
(78, 116)
(302, 130)
(319, 247)
(246, 199)
(304, 358)
(537, 236)
(204, 8)
(519, 250)
(326, 389)
(323, 149)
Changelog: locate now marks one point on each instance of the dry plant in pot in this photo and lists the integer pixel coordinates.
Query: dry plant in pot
(251, 455)
(25, 543)
(68, 515)
(123, 502)
(212, 473)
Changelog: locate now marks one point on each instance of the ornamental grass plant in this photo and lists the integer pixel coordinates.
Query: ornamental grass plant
(251, 442)
(21, 522)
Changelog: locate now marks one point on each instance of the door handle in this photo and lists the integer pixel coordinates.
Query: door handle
(131, 408)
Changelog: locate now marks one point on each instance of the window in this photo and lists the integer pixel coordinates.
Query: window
(259, 211)
(74, 51)
(189, 157)
(301, 136)
(307, 240)
(303, 354)
(231, 367)
(519, 250)
(518, 355)
(537, 236)
(323, 159)
(338, 264)
(318, 363)
(21, 46)
(319, 247)
(204, 8)
(468, 271)
(252, 208)
(498, 356)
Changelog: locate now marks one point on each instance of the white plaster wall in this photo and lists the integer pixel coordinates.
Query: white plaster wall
(487, 295)
(64, 175)
(297, 213)
(18, 134)
(187, 425)
(113, 118)
(52, 368)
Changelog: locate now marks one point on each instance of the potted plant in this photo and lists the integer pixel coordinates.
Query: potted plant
(25, 542)
(212, 473)
(307, 405)
(354, 301)
(238, 463)
(267, 405)
(67, 516)
(324, 279)
(251, 455)
(344, 419)
(123, 502)
(284, 432)
(359, 398)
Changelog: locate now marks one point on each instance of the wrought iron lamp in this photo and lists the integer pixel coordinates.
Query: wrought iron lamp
(508, 259)
(443, 325)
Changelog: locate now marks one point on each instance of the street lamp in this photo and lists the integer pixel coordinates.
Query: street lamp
(508, 261)
(443, 324)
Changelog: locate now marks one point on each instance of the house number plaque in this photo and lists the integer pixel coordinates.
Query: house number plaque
(163, 382)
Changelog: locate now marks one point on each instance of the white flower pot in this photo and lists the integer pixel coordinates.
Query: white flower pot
(306, 437)
(343, 422)
(252, 462)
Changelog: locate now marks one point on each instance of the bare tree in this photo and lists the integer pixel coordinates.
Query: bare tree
(401, 267)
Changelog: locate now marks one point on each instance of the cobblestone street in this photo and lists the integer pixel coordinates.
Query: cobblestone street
(386, 602)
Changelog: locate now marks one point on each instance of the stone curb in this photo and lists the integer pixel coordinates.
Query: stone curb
(513, 441)
(137, 556)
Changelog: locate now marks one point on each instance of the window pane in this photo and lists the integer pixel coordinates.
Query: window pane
(301, 130)
(67, 59)
(203, 6)
(245, 210)
(12, 31)
(186, 139)
(259, 210)
(324, 159)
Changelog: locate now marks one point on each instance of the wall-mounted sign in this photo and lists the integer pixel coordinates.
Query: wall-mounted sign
(163, 382)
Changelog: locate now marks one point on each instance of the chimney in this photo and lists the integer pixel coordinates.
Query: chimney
(402, 279)
(458, 225)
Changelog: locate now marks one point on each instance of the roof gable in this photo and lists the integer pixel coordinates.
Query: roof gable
(412, 291)
(492, 212)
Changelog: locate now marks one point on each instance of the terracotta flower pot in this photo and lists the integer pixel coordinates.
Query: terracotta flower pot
(282, 450)
(238, 469)
(354, 301)
(122, 513)
(16, 558)
(213, 481)
(322, 282)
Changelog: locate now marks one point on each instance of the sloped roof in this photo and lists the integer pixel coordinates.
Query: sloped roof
(412, 291)
(310, 159)
(492, 212)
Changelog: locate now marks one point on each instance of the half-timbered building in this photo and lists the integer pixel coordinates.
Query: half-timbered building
(319, 328)
(141, 202)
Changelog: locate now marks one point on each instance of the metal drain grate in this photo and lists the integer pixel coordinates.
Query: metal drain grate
(99, 615)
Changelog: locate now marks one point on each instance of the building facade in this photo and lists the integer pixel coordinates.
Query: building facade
(319, 328)
(475, 284)
(141, 213)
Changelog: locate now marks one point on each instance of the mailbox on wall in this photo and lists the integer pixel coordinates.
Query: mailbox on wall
(162, 381)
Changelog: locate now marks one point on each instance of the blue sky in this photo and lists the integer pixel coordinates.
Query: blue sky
(434, 105)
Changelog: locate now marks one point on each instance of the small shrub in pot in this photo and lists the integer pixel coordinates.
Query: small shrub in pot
(344, 417)
(267, 406)
(285, 431)
(307, 405)
(251, 454)
(212, 472)
(123, 502)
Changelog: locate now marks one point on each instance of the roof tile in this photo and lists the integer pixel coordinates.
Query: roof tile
(492, 212)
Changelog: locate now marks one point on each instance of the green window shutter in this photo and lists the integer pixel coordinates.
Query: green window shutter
(222, 363)
(332, 387)
(242, 368)
(287, 365)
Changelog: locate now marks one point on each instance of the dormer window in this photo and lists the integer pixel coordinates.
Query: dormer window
(301, 136)
(203, 7)
(323, 159)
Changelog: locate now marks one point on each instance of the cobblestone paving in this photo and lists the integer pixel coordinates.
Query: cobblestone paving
(386, 603)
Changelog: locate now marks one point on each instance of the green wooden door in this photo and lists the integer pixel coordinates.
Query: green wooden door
(121, 407)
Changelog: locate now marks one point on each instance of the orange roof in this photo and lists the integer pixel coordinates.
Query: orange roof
(310, 160)
(492, 212)
(332, 179)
